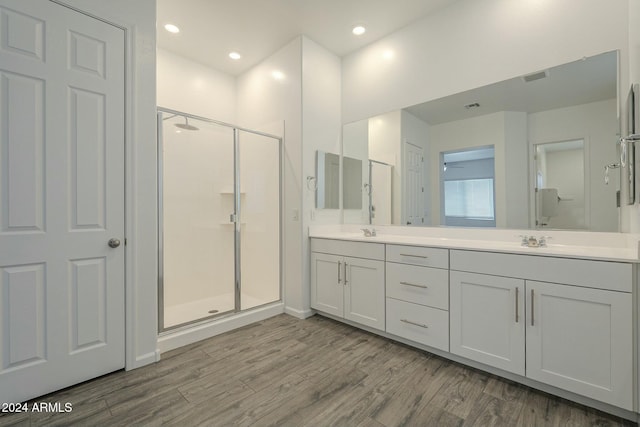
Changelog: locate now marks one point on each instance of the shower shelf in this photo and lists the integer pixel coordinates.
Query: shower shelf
(231, 193)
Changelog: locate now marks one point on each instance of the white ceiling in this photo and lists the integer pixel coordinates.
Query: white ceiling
(210, 29)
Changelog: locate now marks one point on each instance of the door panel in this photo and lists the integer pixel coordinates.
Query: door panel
(61, 198)
(88, 290)
(24, 297)
(364, 292)
(88, 171)
(22, 190)
(259, 219)
(487, 320)
(327, 283)
(580, 340)
(197, 198)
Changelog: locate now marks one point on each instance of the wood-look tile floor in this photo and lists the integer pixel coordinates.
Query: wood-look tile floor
(314, 372)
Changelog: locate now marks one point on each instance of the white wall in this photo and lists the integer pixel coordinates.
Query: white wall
(139, 18)
(321, 130)
(473, 43)
(630, 215)
(263, 103)
(597, 124)
(516, 169)
(188, 86)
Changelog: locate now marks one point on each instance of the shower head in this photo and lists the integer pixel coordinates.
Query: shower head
(186, 125)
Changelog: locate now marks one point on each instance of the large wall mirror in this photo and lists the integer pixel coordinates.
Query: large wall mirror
(528, 152)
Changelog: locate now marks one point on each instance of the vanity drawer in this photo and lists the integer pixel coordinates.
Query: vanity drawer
(417, 255)
(614, 276)
(419, 285)
(348, 248)
(424, 325)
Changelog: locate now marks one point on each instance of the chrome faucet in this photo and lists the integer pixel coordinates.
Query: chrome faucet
(542, 241)
(369, 233)
(532, 242)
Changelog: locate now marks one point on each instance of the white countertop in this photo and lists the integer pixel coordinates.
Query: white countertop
(620, 247)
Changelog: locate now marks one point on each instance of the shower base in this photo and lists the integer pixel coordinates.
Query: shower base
(195, 310)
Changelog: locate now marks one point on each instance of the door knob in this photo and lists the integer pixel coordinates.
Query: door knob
(114, 243)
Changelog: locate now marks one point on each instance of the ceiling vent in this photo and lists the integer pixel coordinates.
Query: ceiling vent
(535, 76)
(472, 105)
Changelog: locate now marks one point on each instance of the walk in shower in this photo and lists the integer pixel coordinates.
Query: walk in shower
(219, 219)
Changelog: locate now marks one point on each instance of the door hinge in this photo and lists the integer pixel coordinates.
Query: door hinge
(125, 241)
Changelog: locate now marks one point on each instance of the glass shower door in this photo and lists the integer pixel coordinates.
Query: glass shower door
(197, 274)
(259, 166)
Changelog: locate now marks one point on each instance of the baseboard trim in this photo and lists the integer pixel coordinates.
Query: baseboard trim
(300, 314)
(145, 359)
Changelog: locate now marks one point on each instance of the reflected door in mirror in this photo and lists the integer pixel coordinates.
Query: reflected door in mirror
(560, 186)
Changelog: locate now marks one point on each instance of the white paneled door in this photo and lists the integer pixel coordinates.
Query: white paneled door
(61, 197)
(414, 185)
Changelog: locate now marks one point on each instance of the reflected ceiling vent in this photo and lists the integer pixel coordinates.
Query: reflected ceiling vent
(535, 76)
(472, 106)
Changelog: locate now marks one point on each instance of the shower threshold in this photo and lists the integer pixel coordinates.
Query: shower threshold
(180, 314)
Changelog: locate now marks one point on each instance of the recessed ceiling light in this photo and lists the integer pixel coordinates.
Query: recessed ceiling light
(358, 30)
(235, 55)
(278, 75)
(172, 28)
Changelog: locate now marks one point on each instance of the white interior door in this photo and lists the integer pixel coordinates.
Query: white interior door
(61, 197)
(413, 212)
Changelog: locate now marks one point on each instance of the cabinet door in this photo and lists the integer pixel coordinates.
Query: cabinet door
(327, 283)
(364, 292)
(580, 340)
(487, 320)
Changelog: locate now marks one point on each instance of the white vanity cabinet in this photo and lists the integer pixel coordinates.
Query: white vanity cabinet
(580, 339)
(417, 290)
(347, 280)
(488, 320)
(573, 317)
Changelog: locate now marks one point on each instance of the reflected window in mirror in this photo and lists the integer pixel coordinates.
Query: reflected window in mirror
(468, 189)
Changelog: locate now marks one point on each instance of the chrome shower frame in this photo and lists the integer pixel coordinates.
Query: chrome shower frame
(235, 215)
